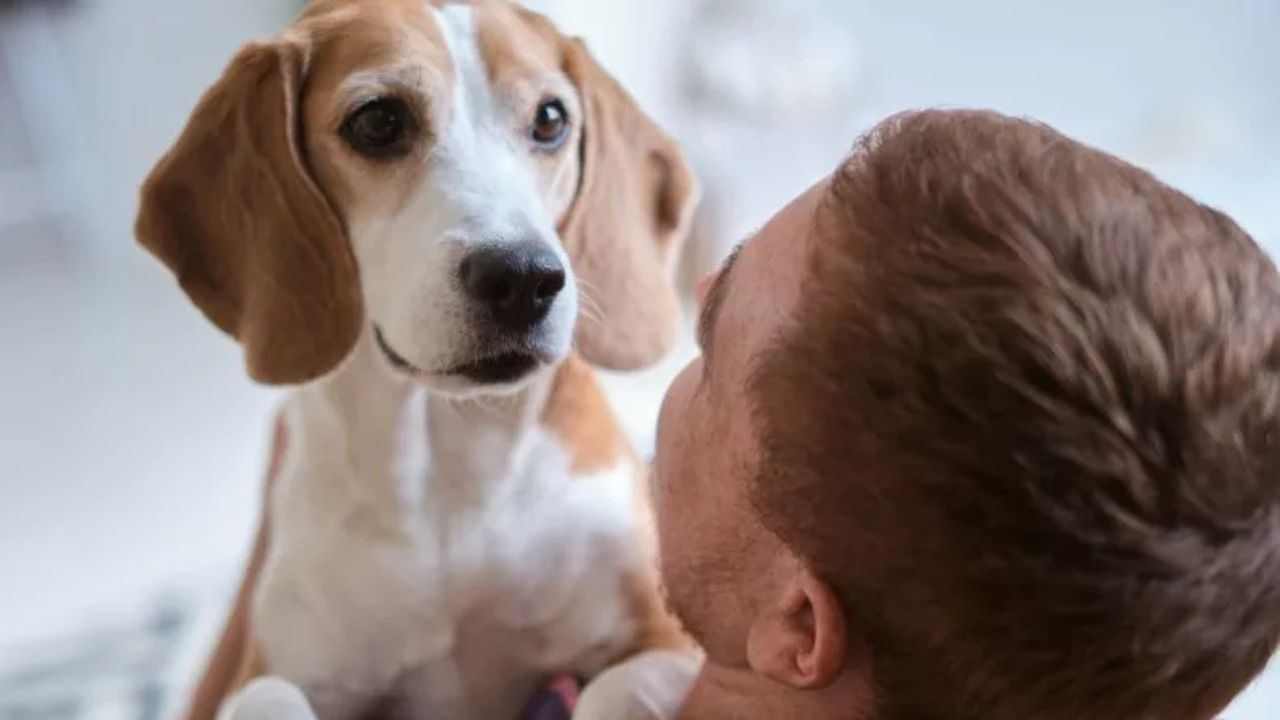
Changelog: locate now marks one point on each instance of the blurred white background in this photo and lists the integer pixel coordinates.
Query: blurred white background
(131, 444)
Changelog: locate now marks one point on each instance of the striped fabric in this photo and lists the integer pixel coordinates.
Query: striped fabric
(129, 672)
(556, 703)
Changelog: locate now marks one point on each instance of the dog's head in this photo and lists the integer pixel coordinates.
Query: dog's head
(454, 179)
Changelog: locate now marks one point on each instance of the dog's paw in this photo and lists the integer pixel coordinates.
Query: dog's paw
(651, 686)
(268, 699)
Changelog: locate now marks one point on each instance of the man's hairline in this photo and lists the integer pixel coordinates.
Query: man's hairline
(777, 342)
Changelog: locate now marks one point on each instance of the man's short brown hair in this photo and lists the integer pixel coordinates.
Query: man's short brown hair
(1027, 422)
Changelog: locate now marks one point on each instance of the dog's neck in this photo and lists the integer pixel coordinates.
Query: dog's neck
(366, 438)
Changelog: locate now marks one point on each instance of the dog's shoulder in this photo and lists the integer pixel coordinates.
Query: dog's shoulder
(579, 415)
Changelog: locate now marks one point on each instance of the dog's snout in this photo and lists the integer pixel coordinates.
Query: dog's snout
(516, 282)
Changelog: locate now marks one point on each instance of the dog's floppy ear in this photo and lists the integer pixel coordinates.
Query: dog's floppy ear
(234, 212)
(633, 207)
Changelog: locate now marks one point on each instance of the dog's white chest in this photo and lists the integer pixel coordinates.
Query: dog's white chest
(453, 610)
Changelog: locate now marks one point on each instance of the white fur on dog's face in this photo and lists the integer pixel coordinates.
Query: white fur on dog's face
(383, 170)
(469, 175)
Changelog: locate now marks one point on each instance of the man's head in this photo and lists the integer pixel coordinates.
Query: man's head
(991, 418)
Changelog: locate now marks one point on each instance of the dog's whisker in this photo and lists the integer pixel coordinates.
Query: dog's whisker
(585, 285)
(589, 307)
(592, 316)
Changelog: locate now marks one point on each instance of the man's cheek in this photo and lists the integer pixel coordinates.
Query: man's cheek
(671, 415)
(665, 453)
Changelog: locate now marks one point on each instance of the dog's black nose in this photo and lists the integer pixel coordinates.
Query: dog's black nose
(516, 282)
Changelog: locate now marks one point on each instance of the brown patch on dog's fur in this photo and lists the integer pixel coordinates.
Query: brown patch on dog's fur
(380, 48)
(513, 39)
(578, 413)
(280, 277)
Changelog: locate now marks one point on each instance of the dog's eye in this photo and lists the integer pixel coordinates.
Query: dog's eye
(550, 124)
(379, 128)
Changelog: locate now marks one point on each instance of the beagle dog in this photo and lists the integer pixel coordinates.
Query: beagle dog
(433, 219)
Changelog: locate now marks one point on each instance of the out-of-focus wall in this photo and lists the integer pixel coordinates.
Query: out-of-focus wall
(1189, 89)
(130, 441)
(136, 68)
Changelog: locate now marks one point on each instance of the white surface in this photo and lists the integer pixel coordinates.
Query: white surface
(130, 447)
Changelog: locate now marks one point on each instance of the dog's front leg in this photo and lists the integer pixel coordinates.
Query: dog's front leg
(268, 698)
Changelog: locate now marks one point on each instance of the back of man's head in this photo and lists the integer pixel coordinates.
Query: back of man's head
(1028, 424)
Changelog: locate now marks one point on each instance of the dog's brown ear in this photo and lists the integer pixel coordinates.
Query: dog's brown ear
(234, 212)
(633, 207)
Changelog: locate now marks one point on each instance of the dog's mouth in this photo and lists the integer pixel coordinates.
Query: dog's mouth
(494, 369)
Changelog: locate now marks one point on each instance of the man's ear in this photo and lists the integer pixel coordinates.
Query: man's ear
(235, 214)
(800, 638)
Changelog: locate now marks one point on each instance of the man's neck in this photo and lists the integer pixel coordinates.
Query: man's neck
(740, 694)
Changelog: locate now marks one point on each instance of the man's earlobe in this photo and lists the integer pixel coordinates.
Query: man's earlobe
(801, 640)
